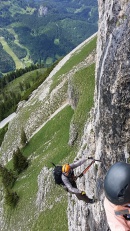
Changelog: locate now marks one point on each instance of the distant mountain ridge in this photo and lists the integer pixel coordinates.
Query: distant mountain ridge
(43, 31)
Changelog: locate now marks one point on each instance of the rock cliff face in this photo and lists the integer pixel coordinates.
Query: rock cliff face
(107, 134)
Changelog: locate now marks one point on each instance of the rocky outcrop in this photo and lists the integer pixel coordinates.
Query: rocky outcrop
(106, 136)
(44, 185)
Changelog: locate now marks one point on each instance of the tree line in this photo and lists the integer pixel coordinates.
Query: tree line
(15, 74)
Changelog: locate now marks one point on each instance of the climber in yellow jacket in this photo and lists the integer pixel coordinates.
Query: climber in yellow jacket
(117, 200)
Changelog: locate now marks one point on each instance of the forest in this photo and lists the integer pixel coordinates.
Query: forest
(12, 91)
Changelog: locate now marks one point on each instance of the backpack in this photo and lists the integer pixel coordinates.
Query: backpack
(57, 172)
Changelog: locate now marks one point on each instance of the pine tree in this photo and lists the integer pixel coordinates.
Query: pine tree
(24, 140)
(20, 162)
(8, 178)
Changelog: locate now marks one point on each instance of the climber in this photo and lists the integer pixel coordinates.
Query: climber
(69, 183)
(117, 197)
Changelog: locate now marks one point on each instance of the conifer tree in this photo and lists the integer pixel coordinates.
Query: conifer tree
(8, 178)
(20, 162)
(24, 140)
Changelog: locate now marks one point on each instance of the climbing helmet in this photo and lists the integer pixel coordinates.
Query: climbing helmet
(66, 169)
(117, 183)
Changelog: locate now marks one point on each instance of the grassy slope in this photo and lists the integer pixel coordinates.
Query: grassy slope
(42, 154)
(51, 144)
(73, 61)
(6, 47)
(84, 83)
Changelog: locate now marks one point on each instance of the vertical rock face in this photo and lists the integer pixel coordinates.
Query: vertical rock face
(112, 114)
(106, 136)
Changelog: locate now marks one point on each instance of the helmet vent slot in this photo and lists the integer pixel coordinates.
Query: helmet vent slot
(122, 192)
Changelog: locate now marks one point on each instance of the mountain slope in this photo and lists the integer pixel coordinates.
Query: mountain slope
(53, 28)
(50, 119)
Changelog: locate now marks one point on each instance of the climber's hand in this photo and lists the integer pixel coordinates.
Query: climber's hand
(83, 193)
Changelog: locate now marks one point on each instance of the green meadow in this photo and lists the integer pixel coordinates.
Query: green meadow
(18, 63)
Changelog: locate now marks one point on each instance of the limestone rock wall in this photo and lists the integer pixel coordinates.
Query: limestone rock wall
(112, 111)
(107, 134)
